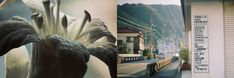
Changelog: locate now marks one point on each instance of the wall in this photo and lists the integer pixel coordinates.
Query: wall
(131, 47)
(141, 45)
(189, 34)
(229, 38)
(123, 36)
(214, 10)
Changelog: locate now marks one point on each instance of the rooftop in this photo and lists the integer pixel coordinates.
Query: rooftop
(127, 30)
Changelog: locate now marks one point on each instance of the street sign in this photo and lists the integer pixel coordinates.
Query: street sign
(200, 44)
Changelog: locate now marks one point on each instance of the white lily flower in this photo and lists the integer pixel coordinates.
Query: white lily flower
(58, 51)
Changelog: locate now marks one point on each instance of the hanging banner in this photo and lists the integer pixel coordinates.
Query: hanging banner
(200, 44)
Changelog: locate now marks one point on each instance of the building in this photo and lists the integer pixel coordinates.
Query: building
(167, 47)
(210, 29)
(131, 38)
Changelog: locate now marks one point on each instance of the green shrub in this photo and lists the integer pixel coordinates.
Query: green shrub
(184, 55)
(144, 52)
(125, 50)
(149, 56)
(147, 53)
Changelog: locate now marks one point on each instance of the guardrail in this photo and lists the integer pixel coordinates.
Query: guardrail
(156, 67)
(125, 58)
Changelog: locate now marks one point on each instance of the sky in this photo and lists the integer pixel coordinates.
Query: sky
(163, 2)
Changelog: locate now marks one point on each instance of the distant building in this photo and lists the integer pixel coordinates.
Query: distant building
(210, 29)
(167, 47)
(131, 38)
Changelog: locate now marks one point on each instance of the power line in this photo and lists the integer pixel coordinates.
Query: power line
(145, 29)
(138, 28)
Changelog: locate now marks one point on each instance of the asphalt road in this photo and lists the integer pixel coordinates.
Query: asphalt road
(137, 70)
(133, 69)
(170, 71)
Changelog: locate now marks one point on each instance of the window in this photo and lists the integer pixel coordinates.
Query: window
(119, 42)
(128, 39)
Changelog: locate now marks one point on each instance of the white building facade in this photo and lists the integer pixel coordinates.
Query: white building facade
(211, 37)
(133, 40)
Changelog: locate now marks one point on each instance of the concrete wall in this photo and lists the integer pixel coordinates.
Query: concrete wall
(122, 38)
(214, 10)
(141, 44)
(131, 47)
(190, 46)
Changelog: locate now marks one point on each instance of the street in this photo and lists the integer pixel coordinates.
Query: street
(138, 70)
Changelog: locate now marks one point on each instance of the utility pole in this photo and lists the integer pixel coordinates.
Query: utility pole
(152, 40)
(151, 30)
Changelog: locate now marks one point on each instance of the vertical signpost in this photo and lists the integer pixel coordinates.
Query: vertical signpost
(200, 44)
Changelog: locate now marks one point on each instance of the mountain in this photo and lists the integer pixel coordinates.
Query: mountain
(167, 18)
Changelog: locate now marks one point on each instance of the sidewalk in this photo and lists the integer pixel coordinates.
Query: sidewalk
(170, 71)
(138, 70)
(186, 74)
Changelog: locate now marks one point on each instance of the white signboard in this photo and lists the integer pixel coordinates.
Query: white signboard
(200, 44)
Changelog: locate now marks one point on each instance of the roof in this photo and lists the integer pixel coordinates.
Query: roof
(208, 0)
(127, 30)
(186, 8)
